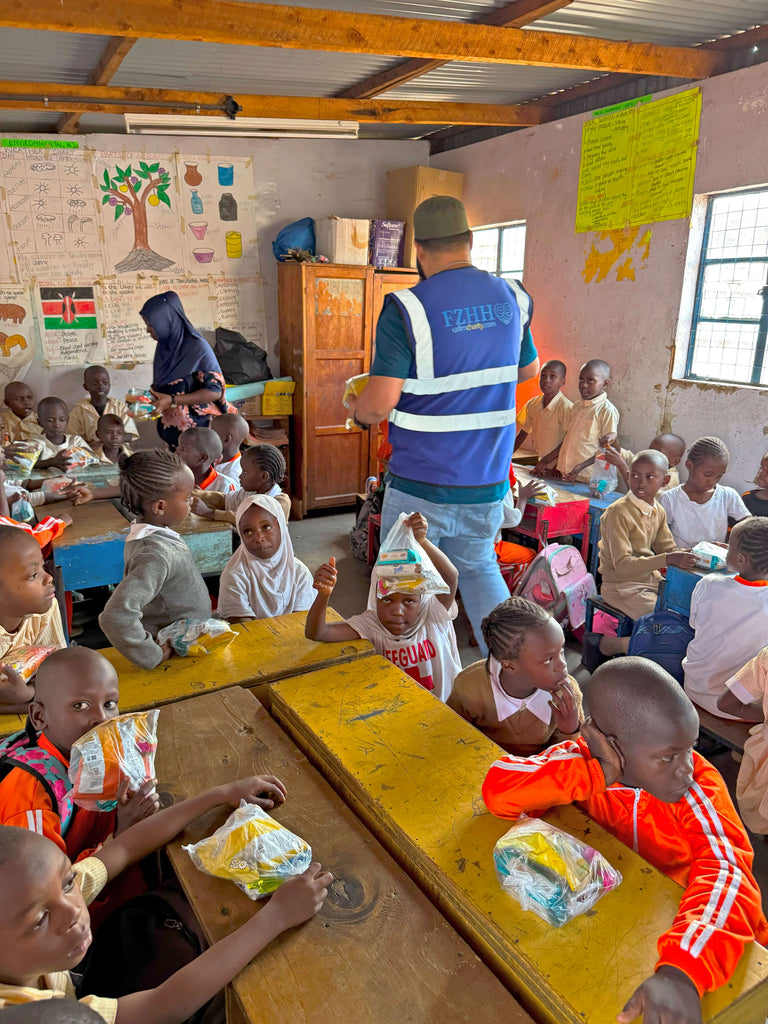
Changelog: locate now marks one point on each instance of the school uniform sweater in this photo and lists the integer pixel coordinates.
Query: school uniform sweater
(699, 841)
(519, 726)
(634, 541)
(91, 876)
(19, 429)
(84, 418)
(161, 584)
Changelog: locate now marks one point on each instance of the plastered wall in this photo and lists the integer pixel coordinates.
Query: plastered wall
(622, 301)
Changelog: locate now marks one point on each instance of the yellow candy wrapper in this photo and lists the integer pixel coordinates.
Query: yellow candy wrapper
(252, 850)
(550, 872)
(188, 637)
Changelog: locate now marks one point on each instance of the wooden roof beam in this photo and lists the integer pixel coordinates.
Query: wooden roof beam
(116, 50)
(80, 99)
(301, 28)
(514, 15)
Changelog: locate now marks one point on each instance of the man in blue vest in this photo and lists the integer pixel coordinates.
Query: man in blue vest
(449, 353)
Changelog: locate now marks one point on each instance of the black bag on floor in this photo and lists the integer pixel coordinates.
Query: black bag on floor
(241, 362)
(358, 535)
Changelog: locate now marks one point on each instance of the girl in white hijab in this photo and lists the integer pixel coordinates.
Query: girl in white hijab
(263, 578)
(414, 631)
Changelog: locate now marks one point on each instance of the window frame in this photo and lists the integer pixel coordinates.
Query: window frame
(500, 228)
(696, 318)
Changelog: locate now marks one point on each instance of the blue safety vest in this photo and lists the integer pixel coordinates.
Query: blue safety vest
(454, 425)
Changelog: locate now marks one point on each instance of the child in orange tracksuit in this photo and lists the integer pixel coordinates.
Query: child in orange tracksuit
(635, 772)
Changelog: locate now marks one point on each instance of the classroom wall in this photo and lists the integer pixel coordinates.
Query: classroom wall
(292, 178)
(532, 175)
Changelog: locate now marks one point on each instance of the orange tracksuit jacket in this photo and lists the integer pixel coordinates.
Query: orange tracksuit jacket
(699, 841)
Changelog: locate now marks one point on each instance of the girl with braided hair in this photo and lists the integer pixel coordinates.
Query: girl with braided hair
(522, 696)
(262, 471)
(730, 617)
(700, 508)
(161, 582)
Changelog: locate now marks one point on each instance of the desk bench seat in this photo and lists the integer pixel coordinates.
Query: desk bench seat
(413, 771)
(725, 732)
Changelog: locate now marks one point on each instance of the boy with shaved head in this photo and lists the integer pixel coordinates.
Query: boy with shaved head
(84, 417)
(671, 445)
(232, 430)
(19, 421)
(634, 770)
(589, 419)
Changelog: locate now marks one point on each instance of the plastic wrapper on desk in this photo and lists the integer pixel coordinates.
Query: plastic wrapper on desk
(252, 850)
(550, 872)
(121, 749)
(186, 636)
(25, 455)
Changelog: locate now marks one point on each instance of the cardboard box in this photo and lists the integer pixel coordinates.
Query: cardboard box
(409, 187)
(342, 240)
(250, 407)
(277, 399)
(387, 243)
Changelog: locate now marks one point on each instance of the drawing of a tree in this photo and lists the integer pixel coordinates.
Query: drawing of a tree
(128, 191)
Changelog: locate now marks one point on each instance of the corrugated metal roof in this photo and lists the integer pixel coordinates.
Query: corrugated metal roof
(213, 67)
(28, 121)
(458, 82)
(48, 56)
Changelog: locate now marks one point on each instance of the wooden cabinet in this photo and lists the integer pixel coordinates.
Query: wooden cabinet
(328, 315)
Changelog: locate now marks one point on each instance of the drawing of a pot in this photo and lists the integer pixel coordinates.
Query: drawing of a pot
(203, 255)
(234, 242)
(192, 176)
(198, 228)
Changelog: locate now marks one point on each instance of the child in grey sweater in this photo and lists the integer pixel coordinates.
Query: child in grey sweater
(161, 582)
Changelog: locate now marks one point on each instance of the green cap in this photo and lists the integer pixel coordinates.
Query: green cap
(439, 217)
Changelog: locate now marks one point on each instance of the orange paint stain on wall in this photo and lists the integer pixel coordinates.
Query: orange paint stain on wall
(616, 251)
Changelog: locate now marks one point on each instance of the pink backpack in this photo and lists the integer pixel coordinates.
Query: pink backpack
(557, 579)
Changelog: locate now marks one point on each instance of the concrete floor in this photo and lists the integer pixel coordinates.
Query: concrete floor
(319, 536)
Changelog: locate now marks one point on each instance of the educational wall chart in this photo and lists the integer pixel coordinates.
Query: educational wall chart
(87, 236)
(638, 162)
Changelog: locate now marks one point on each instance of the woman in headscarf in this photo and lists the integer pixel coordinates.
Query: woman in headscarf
(187, 382)
(263, 578)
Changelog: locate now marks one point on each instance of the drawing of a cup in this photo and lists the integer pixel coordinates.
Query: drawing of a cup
(226, 174)
(234, 242)
(198, 228)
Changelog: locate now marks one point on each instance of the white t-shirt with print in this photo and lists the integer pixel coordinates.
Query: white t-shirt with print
(691, 522)
(430, 656)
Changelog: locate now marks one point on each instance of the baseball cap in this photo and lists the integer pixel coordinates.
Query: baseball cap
(439, 217)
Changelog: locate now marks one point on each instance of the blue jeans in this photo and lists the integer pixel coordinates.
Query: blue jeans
(465, 533)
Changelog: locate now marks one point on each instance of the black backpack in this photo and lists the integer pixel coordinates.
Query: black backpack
(241, 362)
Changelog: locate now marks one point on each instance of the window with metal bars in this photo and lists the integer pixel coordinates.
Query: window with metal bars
(730, 315)
(500, 250)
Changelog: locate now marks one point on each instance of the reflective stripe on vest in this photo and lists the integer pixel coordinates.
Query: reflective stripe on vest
(425, 382)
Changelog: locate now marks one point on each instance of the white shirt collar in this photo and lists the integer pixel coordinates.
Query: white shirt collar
(643, 506)
(537, 703)
(139, 530)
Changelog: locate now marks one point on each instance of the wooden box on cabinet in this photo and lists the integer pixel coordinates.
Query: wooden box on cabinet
(326, 314)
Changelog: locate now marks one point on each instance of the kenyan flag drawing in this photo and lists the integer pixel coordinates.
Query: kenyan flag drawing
(68, 309)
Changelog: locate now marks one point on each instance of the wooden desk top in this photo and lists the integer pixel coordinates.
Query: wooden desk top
(265, 650)
(413, 771)
(92, 523)
(378, 952)
(563, 496)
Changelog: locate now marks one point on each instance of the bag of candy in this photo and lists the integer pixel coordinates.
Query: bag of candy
(710, 556)
(99, 762)
(187, 636)
(22, 457)
(27, 660)
(141, 405)
(78, 458)
(54, 487)
(550, 872)
(252, 850)
(22, 511)
(404, 566)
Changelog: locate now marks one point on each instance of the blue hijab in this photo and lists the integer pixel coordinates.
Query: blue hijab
(181, 350)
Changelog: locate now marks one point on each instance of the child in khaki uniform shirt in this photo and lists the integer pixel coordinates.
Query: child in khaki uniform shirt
(18, 422)
(522, 697)
(544, 418)
(589, 420)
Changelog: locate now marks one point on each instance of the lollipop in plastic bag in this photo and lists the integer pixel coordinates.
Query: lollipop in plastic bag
(252, 850)
(99, 762)
(550, 872)
(403, 566)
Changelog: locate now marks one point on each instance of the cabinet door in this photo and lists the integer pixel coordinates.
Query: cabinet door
(385, 282)
(338, 333)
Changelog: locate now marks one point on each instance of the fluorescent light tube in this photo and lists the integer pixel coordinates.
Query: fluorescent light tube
(241, 127)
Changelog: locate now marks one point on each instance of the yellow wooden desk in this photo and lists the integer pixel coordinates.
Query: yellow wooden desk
(265, 650)
(378, 952)
(413, 771)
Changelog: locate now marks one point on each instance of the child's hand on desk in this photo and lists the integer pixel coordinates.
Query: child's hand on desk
(418, 524)
(681, 559)
(78, 494)
(325, 577)
(667, 997)
(569, 477)
(135, 805)
(527, 491)
(301, 897)
(564, 711)
(66, 518)
(540, 469)
(60, 461)
(264, 790)
(167, 650)
(199, 508)
(600, 747)
(15, 691)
